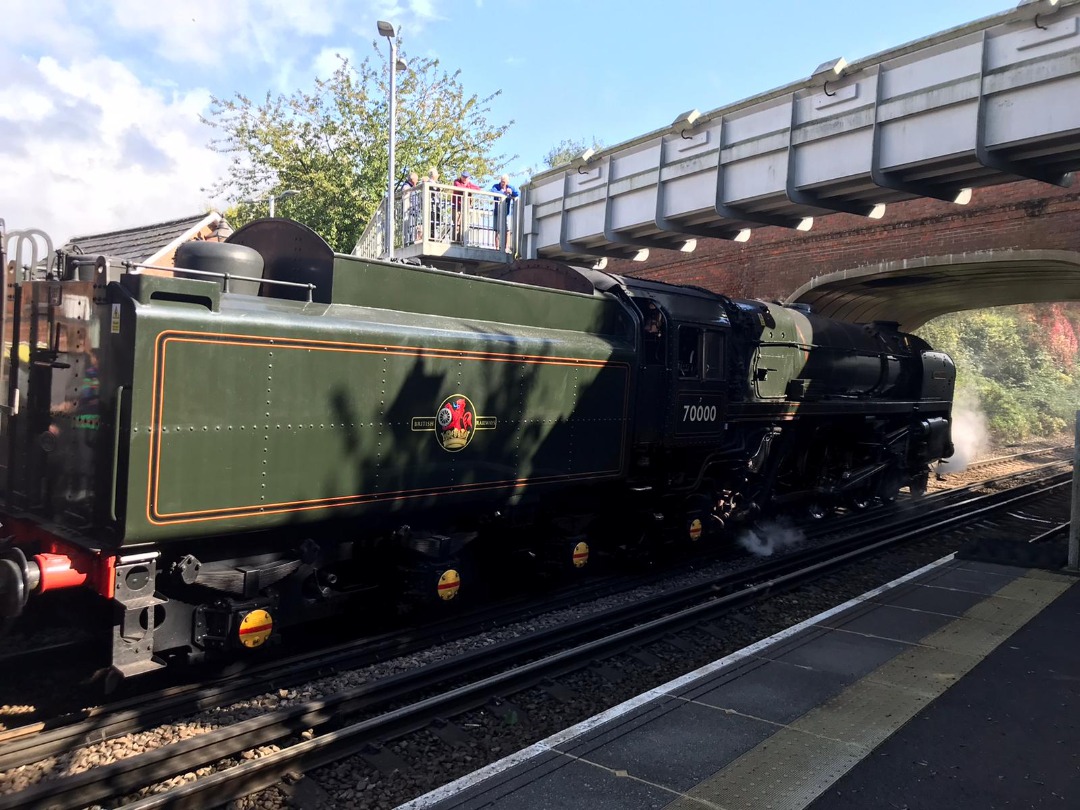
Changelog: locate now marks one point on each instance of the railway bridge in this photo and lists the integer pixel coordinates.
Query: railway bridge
(933, 177)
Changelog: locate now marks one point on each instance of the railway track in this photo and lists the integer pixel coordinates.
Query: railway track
(179, 697)
(320, 735)
(56, 735)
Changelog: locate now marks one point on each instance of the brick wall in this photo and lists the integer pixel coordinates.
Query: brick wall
(776, 261)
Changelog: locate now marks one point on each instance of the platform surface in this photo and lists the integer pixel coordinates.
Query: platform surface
(957, 686)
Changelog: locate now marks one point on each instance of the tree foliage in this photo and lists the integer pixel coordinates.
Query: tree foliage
(566, 150)
(331, 143)
(1019, 364)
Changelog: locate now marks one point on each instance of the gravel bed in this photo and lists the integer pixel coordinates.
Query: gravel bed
(974, 474)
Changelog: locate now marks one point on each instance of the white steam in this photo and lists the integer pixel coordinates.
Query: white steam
(769, 536)
(969, 436)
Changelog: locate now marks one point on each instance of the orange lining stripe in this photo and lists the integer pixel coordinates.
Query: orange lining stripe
(261, 628)
(511, 358)
(157, 410)
(163, 338)
(346, 500)
(258, 340)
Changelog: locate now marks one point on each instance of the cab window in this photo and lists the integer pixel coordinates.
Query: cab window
(654, 332)
(713, 349)
(689, 352)
(701, 353)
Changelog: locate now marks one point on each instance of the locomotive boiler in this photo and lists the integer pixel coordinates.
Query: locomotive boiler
(271, 433)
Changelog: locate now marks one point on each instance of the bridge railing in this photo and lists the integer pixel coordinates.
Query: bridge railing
(435, 219)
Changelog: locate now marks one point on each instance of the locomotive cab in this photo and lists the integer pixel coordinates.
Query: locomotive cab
(683, 365)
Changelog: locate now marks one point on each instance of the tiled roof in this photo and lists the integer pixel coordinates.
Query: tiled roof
(134, 244)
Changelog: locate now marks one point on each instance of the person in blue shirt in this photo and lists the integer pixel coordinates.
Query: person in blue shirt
(502, 209)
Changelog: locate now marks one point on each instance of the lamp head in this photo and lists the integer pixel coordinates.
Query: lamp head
(686, 120)
(963, 196)
(386, 29)
(830, 71)
(581, 160)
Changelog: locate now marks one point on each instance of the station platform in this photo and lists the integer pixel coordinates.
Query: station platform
(954, 686)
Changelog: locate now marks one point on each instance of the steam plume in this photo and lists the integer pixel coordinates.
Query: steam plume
(969, 435)
(769, 536)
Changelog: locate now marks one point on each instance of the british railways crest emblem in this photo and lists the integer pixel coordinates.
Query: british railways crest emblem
(455, 423)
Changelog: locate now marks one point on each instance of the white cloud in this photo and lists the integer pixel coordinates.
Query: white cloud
(329, 59)
(96, 150)
(99, 119)
(256, 32)
(244, 31)
(29, 23)
(424, 10)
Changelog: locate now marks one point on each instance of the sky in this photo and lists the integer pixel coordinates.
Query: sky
(100, 100)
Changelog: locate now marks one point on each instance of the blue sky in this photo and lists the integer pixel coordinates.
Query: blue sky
(100, 99)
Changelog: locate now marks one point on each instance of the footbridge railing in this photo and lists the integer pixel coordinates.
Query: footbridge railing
(434, 220)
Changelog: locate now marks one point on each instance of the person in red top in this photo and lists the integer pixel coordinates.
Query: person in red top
(461, 206)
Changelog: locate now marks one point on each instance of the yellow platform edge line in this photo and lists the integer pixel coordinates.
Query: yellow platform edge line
(802, 760)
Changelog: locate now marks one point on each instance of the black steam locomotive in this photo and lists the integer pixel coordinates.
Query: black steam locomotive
(271, 432)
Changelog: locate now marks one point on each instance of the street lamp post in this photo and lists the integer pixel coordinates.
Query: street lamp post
(290, 192)
(387, 30)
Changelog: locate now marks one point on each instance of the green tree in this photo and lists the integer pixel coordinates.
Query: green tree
(566, 150)
(1017, 364)
(332, 143)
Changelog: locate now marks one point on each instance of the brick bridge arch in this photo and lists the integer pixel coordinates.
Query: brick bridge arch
(1024, 216)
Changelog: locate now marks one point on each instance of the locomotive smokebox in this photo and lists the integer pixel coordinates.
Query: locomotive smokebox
(224, 259)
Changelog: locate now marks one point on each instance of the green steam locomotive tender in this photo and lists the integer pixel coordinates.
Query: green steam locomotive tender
(271, 433)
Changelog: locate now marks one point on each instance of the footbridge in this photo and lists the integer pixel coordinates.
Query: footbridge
(986, 103)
